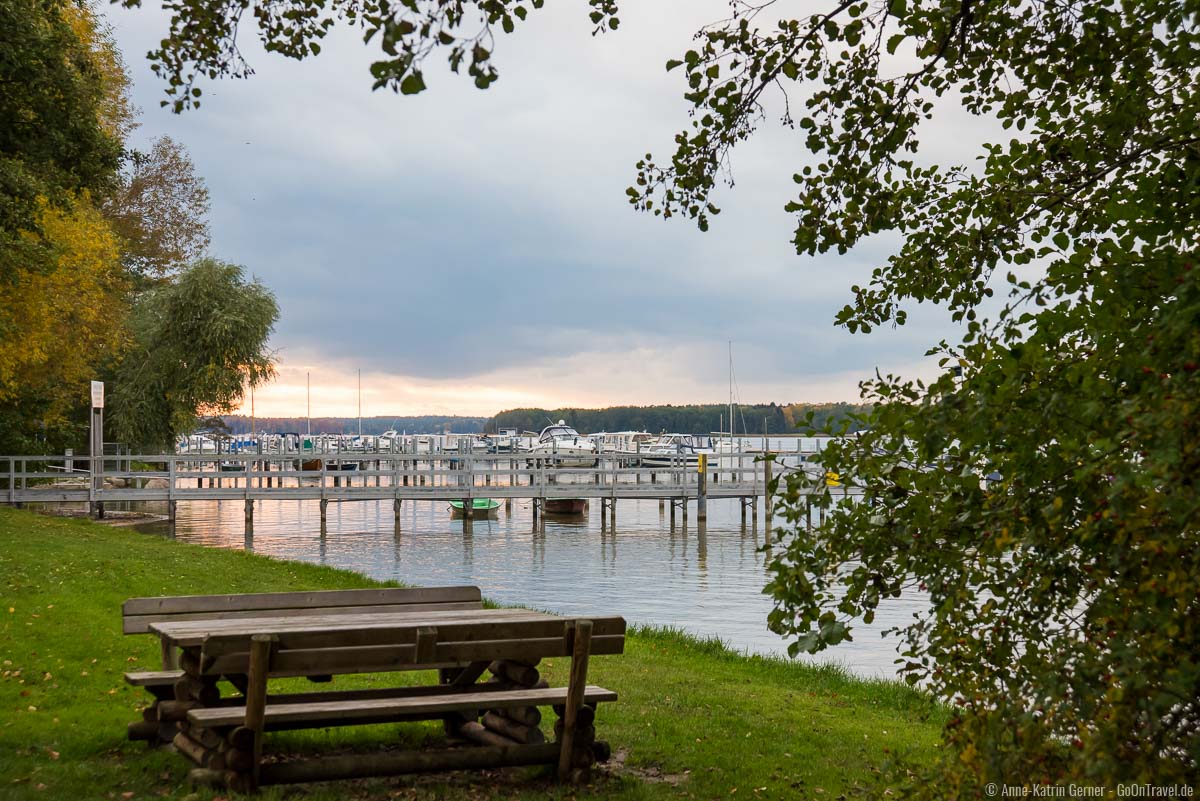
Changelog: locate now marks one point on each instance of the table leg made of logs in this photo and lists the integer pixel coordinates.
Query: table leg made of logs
(154, 728)
(513, 726)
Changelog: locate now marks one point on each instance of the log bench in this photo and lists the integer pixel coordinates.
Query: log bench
(498, 720)
(158, 724)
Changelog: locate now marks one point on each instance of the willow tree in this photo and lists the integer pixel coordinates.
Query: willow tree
(1043, 495)
(200, 341)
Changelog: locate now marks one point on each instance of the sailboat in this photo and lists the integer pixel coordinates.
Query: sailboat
(723, 445)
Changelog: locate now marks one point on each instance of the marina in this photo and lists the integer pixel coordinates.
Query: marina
(557, 468)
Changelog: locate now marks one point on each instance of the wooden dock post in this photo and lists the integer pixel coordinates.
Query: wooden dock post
(324, 511)
(702, 488)
(612, 513)
(249, 513)
(171, 510)
(468, 508)
(396, 503)
(672, 512)
(767, 510)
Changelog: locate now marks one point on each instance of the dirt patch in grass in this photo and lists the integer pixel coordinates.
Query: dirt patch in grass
(652, 774)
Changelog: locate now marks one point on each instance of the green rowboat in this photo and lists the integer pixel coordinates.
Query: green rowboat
(479, 507)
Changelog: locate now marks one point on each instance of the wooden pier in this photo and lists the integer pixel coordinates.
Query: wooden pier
(399, 477)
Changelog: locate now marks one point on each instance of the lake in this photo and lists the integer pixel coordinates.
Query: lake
(705, 581)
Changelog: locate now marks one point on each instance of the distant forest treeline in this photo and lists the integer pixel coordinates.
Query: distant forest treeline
(695, 419)
(427, 424)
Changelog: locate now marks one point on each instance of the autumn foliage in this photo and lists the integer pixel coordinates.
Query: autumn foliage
(90, 230)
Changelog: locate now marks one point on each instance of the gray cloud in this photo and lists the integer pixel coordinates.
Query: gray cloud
(443, 235)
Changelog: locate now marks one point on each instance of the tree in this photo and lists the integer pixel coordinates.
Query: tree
(1045, 499)
(159, 208)
(62, 324)
(203, 38)
(53, 143)
(199, 341)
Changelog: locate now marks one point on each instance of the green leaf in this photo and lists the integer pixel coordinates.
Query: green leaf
(413, 83)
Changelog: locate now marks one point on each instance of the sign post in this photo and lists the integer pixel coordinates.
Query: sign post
(96, 448)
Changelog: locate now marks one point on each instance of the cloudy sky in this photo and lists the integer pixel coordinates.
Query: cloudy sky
(473, 251)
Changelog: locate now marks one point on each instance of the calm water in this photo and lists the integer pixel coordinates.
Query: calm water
(706, 582)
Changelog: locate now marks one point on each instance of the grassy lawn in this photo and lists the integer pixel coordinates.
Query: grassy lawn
(694, 720)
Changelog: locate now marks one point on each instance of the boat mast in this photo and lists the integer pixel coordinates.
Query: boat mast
(731, 395)
(308, 407)
(360, 403)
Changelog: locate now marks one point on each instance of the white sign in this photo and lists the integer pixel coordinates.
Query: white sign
(97, 394)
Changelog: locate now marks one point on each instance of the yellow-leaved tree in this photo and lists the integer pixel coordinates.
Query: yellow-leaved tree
(62, 322)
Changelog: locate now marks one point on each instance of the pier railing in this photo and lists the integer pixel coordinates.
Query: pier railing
(446, 476)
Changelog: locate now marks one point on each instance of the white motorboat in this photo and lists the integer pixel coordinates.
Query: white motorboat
(671, 450)
(564, 446)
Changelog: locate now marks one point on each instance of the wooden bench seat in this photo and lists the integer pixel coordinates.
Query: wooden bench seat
(277, 716)
(138, 613)
(153, 678)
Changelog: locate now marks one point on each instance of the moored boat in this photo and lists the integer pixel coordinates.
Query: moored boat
(563, 446)
(564, 506)
(479, 507)
(671, 450)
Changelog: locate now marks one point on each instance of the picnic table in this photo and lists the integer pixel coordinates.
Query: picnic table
(499, 716)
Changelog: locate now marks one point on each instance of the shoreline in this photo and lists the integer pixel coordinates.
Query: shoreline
(696, 718)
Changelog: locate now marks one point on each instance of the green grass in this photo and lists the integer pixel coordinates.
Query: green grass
(695, 719)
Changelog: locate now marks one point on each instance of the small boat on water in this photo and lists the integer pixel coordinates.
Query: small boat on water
(671, 450)
(563, 446)
(480, 507)
(564, 506)
(331, 465)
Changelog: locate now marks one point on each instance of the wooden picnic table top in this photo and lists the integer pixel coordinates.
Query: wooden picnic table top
(192, 633)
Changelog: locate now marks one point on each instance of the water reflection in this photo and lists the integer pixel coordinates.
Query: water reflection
(656, 565)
